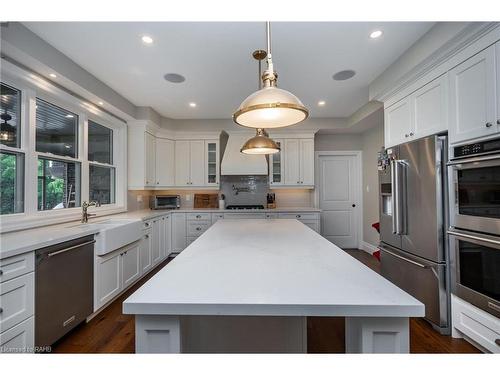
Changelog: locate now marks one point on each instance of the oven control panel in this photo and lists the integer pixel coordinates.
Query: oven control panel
(485, 147)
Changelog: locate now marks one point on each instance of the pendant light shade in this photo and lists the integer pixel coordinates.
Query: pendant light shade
(7, 131)
(270, 107)
(261, 144)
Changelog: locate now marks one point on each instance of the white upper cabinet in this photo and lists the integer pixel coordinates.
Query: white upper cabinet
(197, 163)
(277, 165)
(307, 162)
(165, 162)
(212, 163)
(430, 108)
(150, 159)
(398, 122)
(473, 100)
(422, 113)
(292, 162)
(299, 162)
(182, 163)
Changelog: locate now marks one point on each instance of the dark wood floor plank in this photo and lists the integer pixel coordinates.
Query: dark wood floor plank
(113, 332)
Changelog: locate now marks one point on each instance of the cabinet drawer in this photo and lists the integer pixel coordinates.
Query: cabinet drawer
(299, 216)
(247, 215)
(195, 229)
(198, 216)
(216, 217)
(16, 266)
(20, 338)
(476, 324)
(17, 300)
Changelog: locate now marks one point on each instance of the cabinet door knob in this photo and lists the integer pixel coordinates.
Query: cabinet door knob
(489, 124)
(298, 216)
(411, 134)
(498, 122)
(353, 205)
(198, 228)
(146, 236)
(497, 341)
(198, 216)
(1, 272)
(1, 310)
(406, 135)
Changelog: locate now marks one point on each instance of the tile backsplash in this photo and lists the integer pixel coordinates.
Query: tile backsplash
(244, 189)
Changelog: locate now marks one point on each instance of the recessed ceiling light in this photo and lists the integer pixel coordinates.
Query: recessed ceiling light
(69, 116)
(174, 77)
(192, 104)
(376, 34)
(100, 103)
(343, 75)
(52, 75)
(146, 39)
(321, 103)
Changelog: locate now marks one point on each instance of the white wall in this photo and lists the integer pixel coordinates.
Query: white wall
(337, 142)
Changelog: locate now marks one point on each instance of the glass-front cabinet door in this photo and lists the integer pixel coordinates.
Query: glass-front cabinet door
(276, 165)
(212, 163)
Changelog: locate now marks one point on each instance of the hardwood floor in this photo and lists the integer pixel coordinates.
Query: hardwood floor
(113, 332)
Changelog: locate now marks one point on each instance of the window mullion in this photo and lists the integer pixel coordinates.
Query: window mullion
(83, 155)
(31, 158)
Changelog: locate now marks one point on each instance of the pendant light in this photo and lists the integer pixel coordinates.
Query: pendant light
(261, 144)
(270, 107)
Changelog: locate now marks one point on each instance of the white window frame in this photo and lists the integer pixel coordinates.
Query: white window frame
(31, 87)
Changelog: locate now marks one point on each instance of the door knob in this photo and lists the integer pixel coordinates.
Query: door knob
(353, 205)
(489, 124)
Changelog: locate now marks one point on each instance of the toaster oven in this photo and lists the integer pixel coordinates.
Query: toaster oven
(164, 202)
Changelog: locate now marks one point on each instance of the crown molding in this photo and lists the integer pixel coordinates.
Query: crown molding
(470, 35)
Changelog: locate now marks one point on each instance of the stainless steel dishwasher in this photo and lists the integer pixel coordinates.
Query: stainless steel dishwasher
(64, 288)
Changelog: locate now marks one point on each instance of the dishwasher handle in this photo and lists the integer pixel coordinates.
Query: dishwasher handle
(70, 248)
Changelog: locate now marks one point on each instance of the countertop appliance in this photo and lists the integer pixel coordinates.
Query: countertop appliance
(64, 288)
(164, 202)
(245, 207)
(413, 201)
(475, 220)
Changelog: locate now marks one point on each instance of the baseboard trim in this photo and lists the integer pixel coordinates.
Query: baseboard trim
(368, 247)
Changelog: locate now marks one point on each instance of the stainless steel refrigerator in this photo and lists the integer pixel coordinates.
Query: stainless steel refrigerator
(413, 219)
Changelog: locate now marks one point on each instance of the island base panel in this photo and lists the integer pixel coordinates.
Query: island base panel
(220, 334)
(377, 335)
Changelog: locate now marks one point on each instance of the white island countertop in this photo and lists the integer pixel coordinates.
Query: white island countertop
(268, 268)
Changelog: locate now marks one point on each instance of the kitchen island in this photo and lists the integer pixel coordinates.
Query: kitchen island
(249, 287)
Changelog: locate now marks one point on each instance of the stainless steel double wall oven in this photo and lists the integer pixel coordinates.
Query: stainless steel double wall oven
(475, 223)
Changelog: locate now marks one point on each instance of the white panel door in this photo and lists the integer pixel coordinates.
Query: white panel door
(150, 160)
(197, 163)
(338, 187)
(108, 278)
(292, 162)
(398, 124)
(307, 161)
(156, 233)
(165, 165)
(472, 97)
(430, 108)
(131, 264)
(182, 163)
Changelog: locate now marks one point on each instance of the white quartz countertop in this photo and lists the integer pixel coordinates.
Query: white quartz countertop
(268, 267)
(23, 241)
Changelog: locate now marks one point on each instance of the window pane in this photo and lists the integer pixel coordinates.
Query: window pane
(58, 184)
(11, 183)
(56, 130)
(10, 112)
(100, 143)
(102, 184)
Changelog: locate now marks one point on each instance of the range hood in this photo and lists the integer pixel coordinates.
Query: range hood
(236, 163)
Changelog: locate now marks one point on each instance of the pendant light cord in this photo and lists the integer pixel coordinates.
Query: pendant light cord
(270, 66)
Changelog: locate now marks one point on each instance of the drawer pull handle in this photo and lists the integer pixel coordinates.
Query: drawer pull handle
(198, 228)
(146, 236)
(1, 272)
(70, 248)
(489, 124)
(298, 216)
(1, 310)
(198, 216)
(497, 341)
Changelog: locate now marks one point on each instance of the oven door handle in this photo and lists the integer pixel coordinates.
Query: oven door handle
(473, 159)
(473, 237)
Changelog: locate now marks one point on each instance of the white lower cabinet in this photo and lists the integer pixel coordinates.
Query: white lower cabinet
(146, 244)
(178, 232)
(17, 300)
(475, 324)
(311, 219)
(114, 272)
(20, 338)
(156, 234)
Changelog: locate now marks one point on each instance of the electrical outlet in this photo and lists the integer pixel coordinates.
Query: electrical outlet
(139, 199)
(188, 197)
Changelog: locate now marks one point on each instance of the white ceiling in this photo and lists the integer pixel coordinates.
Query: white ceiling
(216, 60)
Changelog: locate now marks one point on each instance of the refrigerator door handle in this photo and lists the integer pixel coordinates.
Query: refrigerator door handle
(403, 258)
(398, 181)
